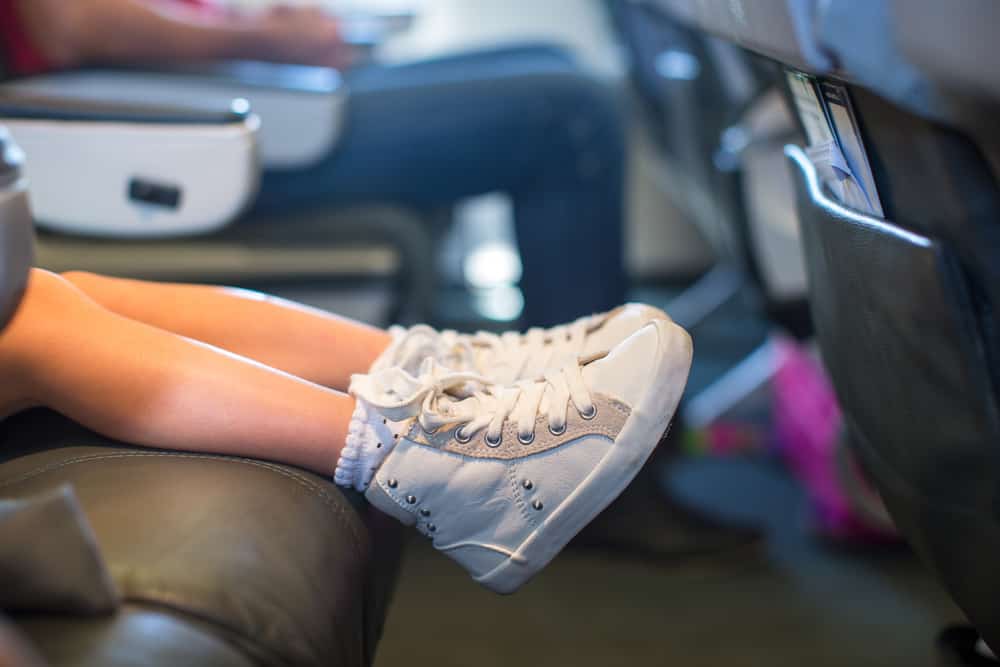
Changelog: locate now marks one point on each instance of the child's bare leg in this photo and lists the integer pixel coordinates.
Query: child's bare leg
(143, 385)
(303, 341)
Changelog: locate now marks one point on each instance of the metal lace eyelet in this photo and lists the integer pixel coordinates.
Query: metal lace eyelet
(461, 437)
(558, 431)
(589, 414)
(537, 504)
(490, 442)
(392, 483)
(526, 440)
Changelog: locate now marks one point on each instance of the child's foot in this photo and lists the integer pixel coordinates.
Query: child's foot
(509, 357)
(502, 477)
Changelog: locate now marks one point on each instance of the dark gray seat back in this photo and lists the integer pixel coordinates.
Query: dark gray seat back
(16, 235)
(907, 306)
(906, 313)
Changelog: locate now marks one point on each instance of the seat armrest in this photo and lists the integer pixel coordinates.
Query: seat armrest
(117, 168)
(19, 106)
(276, 563)
(301, 107)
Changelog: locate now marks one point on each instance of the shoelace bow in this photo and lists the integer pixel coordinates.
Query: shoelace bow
(439, 397)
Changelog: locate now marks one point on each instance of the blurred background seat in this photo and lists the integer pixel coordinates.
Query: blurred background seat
(195, 171)
(180, 208)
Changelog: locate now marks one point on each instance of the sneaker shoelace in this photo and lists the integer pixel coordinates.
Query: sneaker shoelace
(536, 348)
(505, 357)
(439, 397)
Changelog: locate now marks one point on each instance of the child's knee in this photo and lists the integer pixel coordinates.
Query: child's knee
(45, 286)
(48, 299)
(80, 279)
(50, 310)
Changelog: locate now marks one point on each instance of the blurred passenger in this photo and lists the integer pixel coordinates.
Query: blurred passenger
(521, 120)
(499, 449)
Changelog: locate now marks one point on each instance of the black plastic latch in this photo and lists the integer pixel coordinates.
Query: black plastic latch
(157, 194)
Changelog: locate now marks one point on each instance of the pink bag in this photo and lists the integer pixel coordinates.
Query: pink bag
(810, 438)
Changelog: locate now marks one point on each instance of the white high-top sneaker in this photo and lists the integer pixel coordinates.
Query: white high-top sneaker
(513, 356)
(502, 477)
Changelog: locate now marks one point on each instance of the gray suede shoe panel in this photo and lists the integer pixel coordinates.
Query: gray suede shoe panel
(608, 422)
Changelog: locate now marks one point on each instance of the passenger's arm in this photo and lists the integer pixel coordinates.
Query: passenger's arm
(140, 31)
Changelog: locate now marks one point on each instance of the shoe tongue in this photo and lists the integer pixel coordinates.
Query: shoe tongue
(564, 348)
(486, 361)
(611, 328)
(415, 347)
(594, 366)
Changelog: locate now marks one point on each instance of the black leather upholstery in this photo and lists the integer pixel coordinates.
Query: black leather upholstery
(137, 635)
(897, 318)
(60, 567)
(219, 560)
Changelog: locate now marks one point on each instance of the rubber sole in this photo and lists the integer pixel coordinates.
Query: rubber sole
(646, 426)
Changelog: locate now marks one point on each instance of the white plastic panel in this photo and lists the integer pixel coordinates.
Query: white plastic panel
(780, 29)
(917, 53)
(952, 43)
(301, 108)
(80, 175)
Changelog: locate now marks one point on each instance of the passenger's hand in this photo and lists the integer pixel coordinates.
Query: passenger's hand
(303, 35)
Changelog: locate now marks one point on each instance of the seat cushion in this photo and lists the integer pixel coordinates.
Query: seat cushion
(138, 635)
(274, 561)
